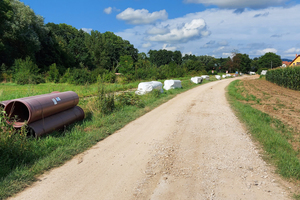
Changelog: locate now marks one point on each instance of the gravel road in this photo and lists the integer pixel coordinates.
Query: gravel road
(192, 147)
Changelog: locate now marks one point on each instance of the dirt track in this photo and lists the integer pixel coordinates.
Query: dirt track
(192, 147)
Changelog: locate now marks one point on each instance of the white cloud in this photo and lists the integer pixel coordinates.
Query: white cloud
(146, 45)
(157, 30)
(242, 32)
(189, 31)
(292, 50)
(88, 30)
(108, 10)
(235, 4)
(142, 16)
(169, 48)
(226, 55)
(264, 51)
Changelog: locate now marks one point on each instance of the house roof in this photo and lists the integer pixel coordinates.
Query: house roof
(297, 56)
(286, 62)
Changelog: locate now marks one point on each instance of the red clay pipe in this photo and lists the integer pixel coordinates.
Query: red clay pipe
(56, 121)
(35, 108)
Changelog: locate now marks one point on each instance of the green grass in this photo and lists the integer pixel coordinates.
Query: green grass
(272, 134)
(23, 159)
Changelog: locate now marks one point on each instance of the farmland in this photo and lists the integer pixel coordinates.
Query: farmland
(272, 116)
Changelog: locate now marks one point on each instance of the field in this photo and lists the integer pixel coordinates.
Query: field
(276, 101)
(272, 116)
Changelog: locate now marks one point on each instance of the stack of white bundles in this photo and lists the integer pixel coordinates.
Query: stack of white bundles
(146, 87)
(205, 77)
(172, 84)
(197, 79)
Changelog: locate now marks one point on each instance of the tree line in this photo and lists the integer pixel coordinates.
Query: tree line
(34, 52)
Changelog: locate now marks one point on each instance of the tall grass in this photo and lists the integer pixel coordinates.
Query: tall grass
(271, 133)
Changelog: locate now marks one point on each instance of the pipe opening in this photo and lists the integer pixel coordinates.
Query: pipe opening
(17, 112)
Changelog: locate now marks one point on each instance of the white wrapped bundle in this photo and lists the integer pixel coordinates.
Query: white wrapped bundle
(172, 84)
(264, 72)
(223, 76)
(218, 77)
(205, 77)
(146, 87)
(197, 79)
(228, 75)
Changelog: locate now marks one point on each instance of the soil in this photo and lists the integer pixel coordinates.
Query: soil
(192, 147)
(279, 102)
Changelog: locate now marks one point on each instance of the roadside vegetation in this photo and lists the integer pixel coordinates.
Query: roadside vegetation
(23, 158)
(278, 138)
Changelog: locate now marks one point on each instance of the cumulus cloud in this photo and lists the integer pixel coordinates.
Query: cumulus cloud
(292, 50)
(236, 4)
(108, 10)
(264, 51)
(157, 30)
(169, 47)
(183, 32)
(142, 16)
(146, 45)
(88, 30)
(244, 32)
(214, 44)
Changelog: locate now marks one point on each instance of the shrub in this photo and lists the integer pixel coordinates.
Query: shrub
(25, 72)
(130, 99)
(53, 73)
(80, 76)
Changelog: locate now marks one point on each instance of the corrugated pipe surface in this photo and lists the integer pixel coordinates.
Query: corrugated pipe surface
(56, 121)
(31, 109)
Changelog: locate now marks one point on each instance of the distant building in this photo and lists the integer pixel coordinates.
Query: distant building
(286, 63)
(296, 61)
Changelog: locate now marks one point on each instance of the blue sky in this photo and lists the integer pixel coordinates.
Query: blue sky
(199, 27)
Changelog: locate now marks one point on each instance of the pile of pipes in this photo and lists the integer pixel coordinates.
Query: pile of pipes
(44, 113)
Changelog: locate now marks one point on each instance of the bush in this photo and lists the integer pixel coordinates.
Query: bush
(130, 99)
(26, 72)
(80, 76)
(53, 73)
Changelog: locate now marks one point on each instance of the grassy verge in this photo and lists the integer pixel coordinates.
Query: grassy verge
(23, 159)
(272, 134)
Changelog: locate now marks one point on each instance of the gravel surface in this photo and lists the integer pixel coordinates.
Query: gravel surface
(192, 147)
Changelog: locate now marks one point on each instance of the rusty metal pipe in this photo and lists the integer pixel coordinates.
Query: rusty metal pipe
(38, 107)
(56, 121)
(4, 103)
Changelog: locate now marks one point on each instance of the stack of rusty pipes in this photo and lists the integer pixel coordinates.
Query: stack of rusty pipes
(44, 113)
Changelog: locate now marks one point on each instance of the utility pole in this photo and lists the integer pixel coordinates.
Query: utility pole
(271, 64)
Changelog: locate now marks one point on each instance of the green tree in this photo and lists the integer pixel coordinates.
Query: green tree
(23, 38)
(126, 65)
(269, 60)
